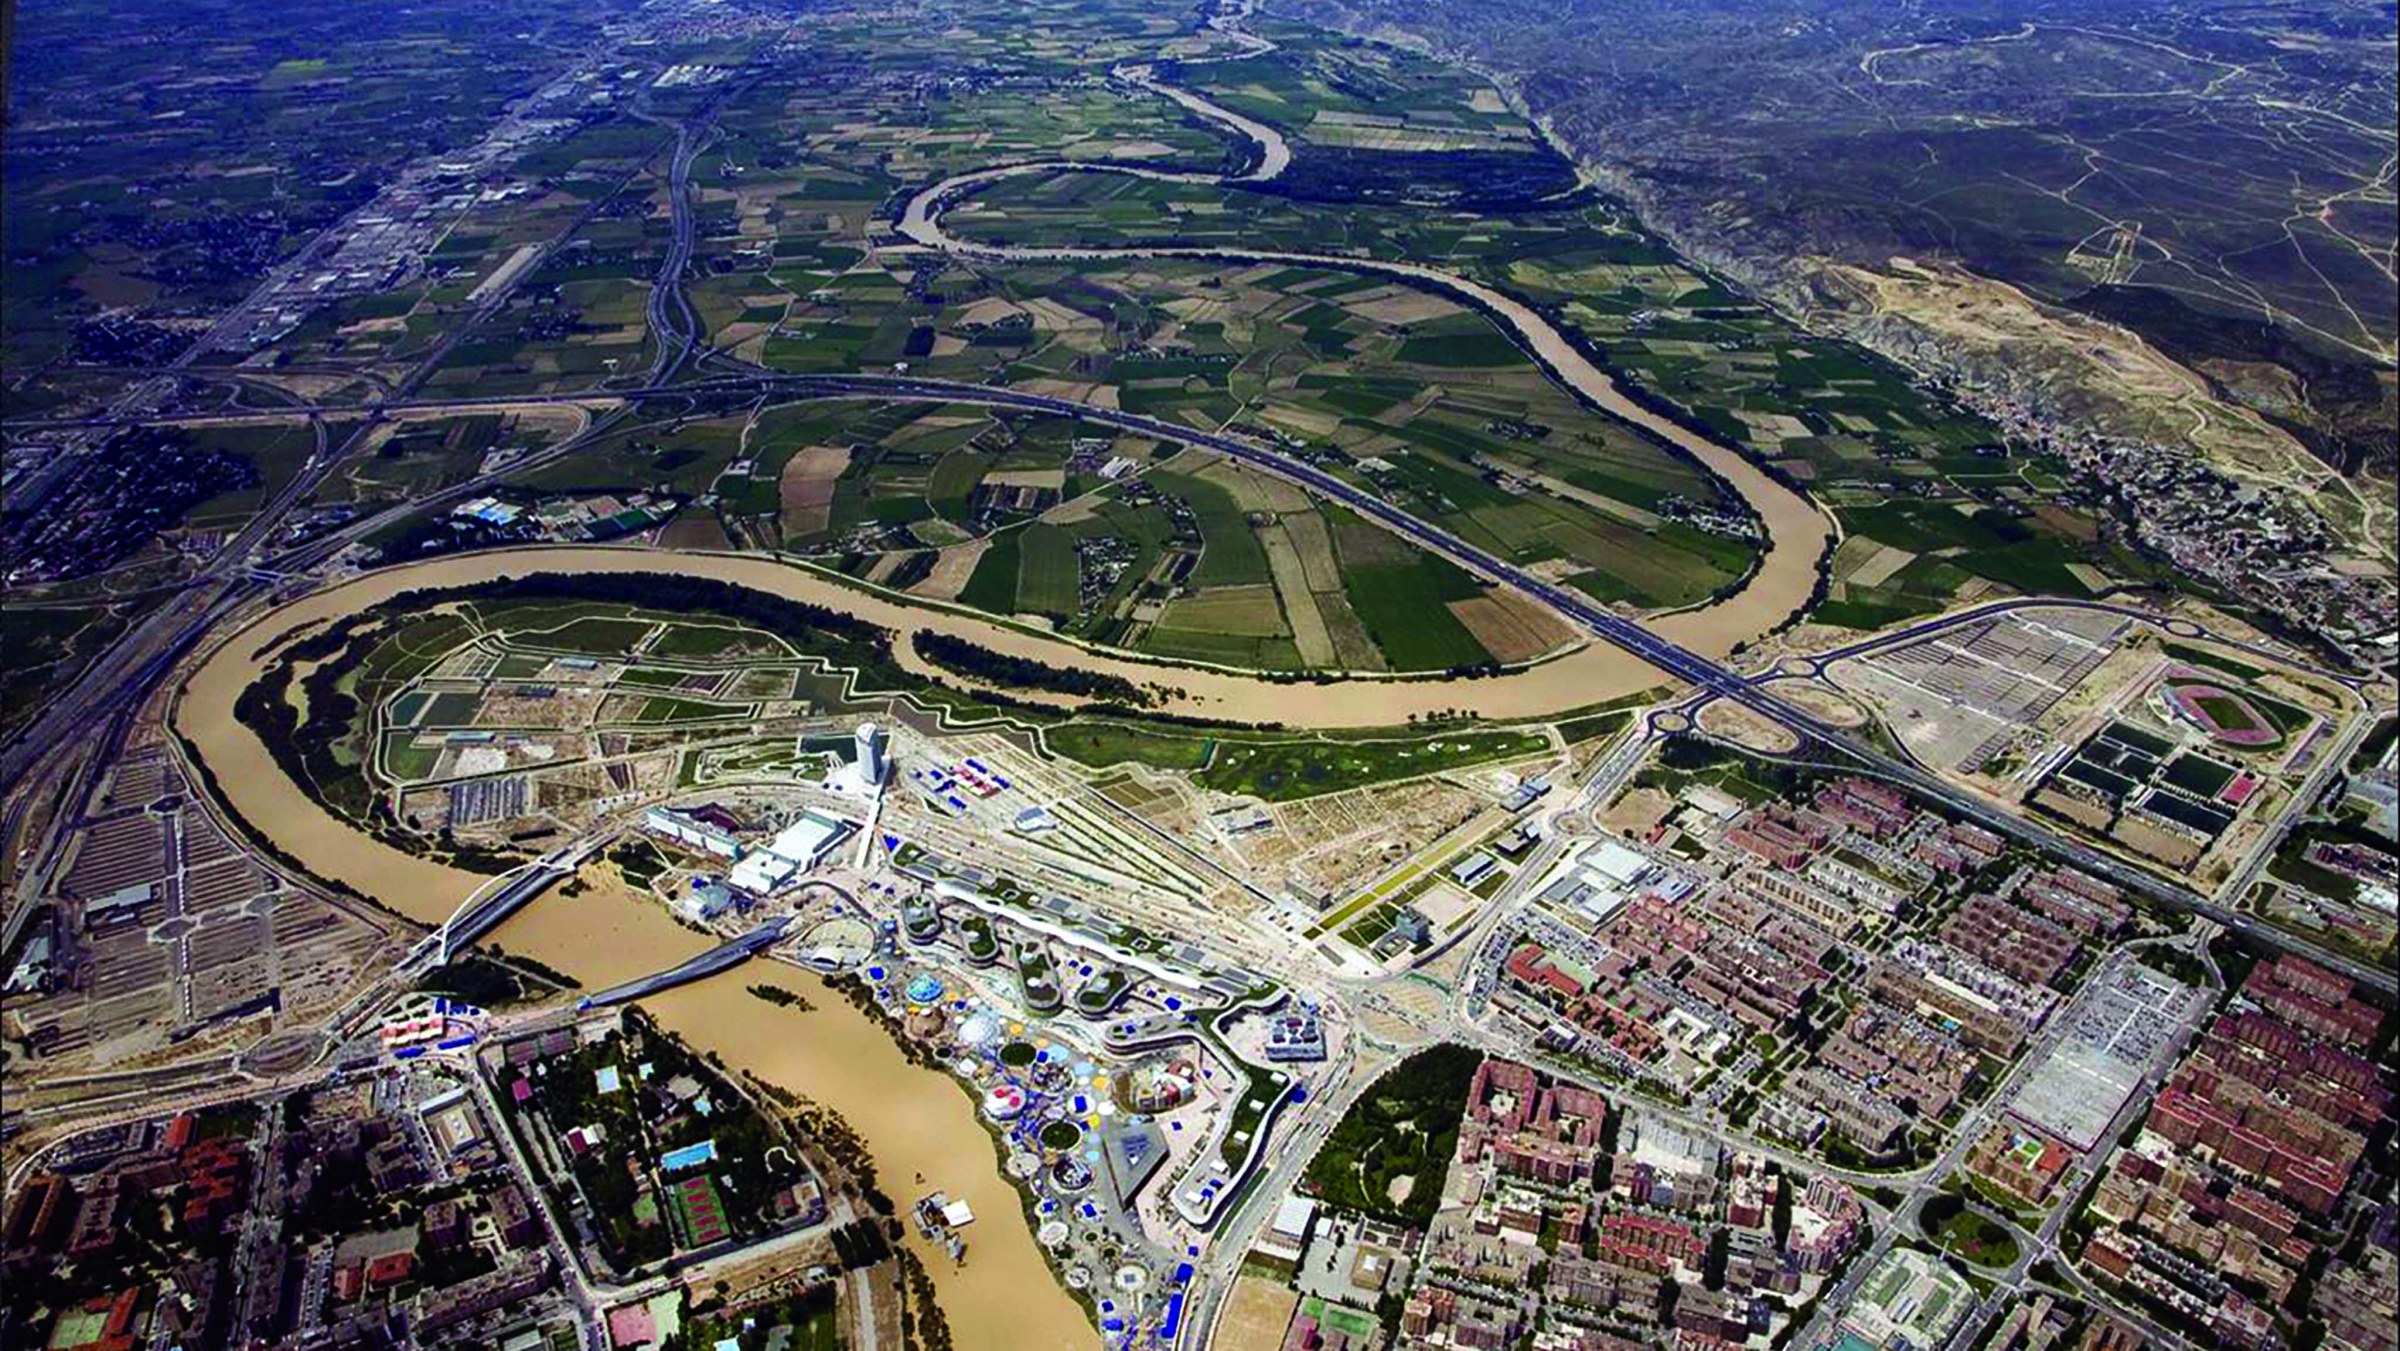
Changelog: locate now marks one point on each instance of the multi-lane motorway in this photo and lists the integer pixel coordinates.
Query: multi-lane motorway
(1705, 674)
(134, 668)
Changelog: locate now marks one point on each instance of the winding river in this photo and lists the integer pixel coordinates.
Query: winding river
(1798, 532)
(918, 1123)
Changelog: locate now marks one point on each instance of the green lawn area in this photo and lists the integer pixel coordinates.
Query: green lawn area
(2229, 713)
(1865, 615)
(1101, 744)
(1576, 731)
(412, 649)
(2198, 775)
(2200, 656)
(701, 640)
(452, 708)
(665, 708)
(1966, 1234)
(1280, 771)
(594, 635)
(652, 678)
(407, 763)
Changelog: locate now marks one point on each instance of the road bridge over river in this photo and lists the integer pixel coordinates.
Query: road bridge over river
(725, 956)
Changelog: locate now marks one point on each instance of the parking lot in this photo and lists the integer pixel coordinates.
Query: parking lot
(1958, 695)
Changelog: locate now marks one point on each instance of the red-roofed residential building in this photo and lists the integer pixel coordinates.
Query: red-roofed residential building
(45, 1209)
(390, 1269)
(2307, 1183)
(1530, 966)
(1648, 1242)
(212, 1175)
(115, 1331)
(1770, 840)
(2262, 1215)
(2313, 999)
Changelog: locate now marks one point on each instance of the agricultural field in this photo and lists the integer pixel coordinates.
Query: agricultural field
(578, 316)
(801, 281)
(1106, 537)
(304, 112)
(1371, 122)
(409, 458)
(1440, 413)
(1206, 561)
(1956, 510)
(1402, 390)
(791, 265)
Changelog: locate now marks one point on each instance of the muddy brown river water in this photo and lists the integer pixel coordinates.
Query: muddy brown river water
(1583, 676)
(918, 1123)
(915, 1122)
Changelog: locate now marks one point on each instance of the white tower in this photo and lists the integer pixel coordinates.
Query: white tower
(871, 743)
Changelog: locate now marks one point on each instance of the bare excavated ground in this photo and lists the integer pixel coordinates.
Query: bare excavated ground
(2111, 379)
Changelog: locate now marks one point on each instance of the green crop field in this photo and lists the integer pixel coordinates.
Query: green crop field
(1283, 770)
(993, 586)
(1048, 578)
(1401, 606)
(1461, 349)
(1229, 553)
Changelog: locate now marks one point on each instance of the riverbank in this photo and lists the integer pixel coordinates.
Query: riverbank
(1590, 674)
(1799, 534)
(914, 1121)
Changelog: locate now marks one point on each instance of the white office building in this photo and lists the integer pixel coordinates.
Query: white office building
(796, 848)
(690, 830)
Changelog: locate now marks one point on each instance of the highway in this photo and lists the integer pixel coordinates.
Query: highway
(125, 675)
(1705, 674)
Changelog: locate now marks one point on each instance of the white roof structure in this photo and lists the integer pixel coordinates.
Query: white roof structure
(1616, 862)
(795, 849)
(761, 872)
(1714, 801)
(1292, 1218)
(808, 839)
